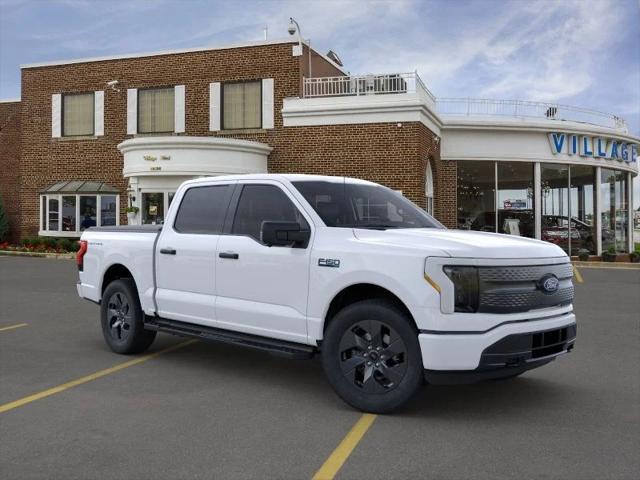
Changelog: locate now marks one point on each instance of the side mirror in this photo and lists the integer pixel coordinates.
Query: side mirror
(284, 234)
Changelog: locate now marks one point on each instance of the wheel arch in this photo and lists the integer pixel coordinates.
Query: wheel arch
(363, 291)
(116, 271)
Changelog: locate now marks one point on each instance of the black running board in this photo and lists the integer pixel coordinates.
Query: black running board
(218, 335)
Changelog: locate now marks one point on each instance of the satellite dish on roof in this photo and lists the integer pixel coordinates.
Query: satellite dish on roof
(333, 56)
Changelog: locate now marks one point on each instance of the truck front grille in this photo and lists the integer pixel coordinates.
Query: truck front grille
(518, 289)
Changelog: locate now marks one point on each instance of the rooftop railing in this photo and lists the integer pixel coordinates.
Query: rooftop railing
(521, 108)
(356, 85)
(399, 83)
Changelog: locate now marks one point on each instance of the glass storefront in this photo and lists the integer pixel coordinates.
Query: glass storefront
(554, 182)
(567, 203)
(615, 210)
(476, 196)
(582, 204)
(568, 207)
(516, 199)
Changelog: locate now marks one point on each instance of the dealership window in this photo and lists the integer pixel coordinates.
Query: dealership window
(242, 105)
(583, 209)
(156, 108)
(516, 199)
(78, 114)
(476, 196)
(554, 181)
(615, 210)
(68, 208)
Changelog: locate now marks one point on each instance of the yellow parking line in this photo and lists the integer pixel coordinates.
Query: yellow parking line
(576, 273)
(335, 461)
(11, 327)
(94, 376)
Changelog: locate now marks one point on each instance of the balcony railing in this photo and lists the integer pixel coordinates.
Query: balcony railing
(525, 109)
(399, 83)
(356, 85)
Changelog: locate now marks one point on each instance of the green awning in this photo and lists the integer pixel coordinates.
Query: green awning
(80, 186)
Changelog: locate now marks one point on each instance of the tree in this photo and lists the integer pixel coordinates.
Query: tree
(4, 223)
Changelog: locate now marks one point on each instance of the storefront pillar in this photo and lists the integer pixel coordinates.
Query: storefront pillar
(598, 195)
(630, 219)
(537, 188)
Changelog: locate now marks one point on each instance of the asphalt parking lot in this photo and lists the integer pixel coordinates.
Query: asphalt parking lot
(215, 411)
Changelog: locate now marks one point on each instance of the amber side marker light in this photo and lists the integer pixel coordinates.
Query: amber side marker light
(432, 283)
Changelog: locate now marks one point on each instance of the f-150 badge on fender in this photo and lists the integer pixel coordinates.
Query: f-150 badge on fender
(329, 262)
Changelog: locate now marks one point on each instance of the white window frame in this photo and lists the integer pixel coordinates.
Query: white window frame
(428, 189)
(44, 221)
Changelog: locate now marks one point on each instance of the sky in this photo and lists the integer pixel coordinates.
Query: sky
(577, 52)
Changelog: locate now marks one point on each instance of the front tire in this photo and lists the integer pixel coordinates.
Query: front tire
(371, 356)
(122, 318)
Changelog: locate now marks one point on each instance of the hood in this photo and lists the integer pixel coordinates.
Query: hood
(461, 243)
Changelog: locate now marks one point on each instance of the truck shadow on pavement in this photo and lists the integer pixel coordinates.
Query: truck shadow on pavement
(304, 380)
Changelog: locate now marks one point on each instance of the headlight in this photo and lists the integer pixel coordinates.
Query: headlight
(466, 291)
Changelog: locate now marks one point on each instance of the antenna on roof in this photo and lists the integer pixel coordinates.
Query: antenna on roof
(266, 32)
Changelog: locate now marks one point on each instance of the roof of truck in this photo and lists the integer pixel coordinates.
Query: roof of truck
(291, 177)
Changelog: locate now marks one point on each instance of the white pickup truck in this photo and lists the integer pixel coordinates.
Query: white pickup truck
(298, 265)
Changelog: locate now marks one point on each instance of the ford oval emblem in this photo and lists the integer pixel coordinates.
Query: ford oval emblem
(549, 283)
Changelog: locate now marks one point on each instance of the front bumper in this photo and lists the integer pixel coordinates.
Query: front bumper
(522, 344)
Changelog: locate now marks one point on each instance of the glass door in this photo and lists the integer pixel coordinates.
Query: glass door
(152, 208)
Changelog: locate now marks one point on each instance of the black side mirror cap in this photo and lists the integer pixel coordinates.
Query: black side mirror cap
(284, 234)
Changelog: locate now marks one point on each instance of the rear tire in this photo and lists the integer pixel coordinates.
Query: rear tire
(371, 356)
(122, 318)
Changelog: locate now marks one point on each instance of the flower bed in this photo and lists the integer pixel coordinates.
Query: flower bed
(43, 245)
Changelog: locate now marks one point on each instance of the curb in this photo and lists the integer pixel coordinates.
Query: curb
(61, 256)
(610, 265)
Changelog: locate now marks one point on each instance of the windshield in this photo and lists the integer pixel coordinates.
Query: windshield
(354, 205)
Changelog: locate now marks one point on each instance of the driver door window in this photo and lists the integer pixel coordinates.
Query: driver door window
(260, 203)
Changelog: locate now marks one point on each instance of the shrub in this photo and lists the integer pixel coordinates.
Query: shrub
(50, 242)
(65, 244)
(4, 223)
(583, 254)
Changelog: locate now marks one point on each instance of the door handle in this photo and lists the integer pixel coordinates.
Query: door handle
(232, 256)
(168, 251)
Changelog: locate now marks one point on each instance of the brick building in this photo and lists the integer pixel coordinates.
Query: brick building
(91, 137)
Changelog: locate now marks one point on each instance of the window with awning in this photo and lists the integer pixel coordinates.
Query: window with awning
(68, 208)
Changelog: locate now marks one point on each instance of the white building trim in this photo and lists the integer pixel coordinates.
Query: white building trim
(192, 156)
(56, 115)
(98, 113)
(173, 52)
(397, 108)
(132, 111)
(179, 108)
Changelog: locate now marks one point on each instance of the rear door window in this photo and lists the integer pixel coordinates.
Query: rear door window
(202, 210)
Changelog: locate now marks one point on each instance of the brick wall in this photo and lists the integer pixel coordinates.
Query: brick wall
(10, 163)
(385, 153)
(47, 160)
